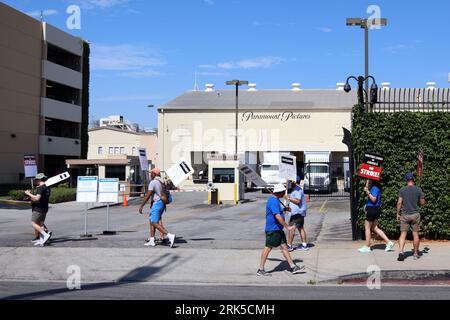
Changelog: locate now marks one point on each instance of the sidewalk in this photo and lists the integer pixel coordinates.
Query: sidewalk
(325, 263)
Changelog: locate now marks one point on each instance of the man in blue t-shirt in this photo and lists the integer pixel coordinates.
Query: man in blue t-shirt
(275, 236)
(297, 204)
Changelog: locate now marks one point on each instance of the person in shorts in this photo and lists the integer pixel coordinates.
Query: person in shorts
(410, 198)
(155, 188)
(373, 212)
(297, 204)
(39, 208)
(275, 237)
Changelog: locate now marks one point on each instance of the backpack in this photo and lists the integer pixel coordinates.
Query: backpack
(165, 195)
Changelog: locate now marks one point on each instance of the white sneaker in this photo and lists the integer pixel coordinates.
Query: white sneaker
(45, 238)
(171, 239)
(150, 243)
(39, 243)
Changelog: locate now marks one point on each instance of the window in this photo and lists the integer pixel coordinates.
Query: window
(100, 150)
(111, 150)
(115, 172)
(225, 175)
(122, 150)
(116, 150)
(133, 151)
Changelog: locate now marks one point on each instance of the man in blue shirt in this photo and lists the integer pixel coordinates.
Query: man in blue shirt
(275, 236)
(297, 204)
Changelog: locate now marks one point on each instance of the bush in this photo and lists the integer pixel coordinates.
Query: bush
(399, 137)
(58, 195)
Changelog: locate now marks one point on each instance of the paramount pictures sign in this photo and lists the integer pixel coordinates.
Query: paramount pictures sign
(281, 116)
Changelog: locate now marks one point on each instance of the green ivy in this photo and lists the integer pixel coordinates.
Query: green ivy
(399, 137)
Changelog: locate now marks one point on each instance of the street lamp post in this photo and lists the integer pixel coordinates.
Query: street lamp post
(237, 84)
(366, 24)
(363, 99)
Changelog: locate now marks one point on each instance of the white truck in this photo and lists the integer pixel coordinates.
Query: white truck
(270, 168)
(317, 171)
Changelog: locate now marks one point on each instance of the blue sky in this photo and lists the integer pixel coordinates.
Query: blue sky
(147, 51)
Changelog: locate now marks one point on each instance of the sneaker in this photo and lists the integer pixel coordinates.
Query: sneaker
(171, 239)
(35, 240)
(365, 249)
(389, 246)
(303, 248)
(290, 248)
(297, 269)
(263, 273)
(416, 256)
(150, 243)
(39, 243)
(45, 238)
(401, 257)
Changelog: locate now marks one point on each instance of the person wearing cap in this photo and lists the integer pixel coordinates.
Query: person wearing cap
(39, 208)
(297, 204)
(275, 237)
(410, 198)
(158, 207)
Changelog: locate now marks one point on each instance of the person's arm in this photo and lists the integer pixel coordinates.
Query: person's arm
(34, 198)
(293, 200)
(144, 201)
(283, 223)
(372, 198)
(399, 207)
(422, 198)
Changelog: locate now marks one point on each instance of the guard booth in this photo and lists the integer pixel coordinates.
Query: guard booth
(224, 176)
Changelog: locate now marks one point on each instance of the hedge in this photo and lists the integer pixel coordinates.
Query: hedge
(58, 195)
(399, 137)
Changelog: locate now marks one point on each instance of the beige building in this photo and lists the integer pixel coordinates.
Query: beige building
(41, 82)
(199, 124)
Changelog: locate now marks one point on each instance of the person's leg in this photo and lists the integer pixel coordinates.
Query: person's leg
(287, 256)
(416, 243)
(380, 232)
(402, 240)
(291, 235)
(264, 256)
(303, 236)
(368, 231)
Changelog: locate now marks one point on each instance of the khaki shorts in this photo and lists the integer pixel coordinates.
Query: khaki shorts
(38, 217)
(410, 220)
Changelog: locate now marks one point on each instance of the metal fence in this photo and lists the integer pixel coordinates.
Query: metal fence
(411, 99)
(327, 179)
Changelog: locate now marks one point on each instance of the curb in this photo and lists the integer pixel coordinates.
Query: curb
(395, 275)
(16, 203)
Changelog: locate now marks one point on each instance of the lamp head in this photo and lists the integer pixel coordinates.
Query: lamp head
(347, 87)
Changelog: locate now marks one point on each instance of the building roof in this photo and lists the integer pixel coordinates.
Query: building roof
(123, 131)
(264, 100)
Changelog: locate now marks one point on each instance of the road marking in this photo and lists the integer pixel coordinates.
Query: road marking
(323, 206)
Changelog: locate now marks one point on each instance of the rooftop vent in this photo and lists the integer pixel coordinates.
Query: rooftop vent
(431, 85)
(340, 86)
(296, 86)
(385, 85)
(252, 87)
(209, 87)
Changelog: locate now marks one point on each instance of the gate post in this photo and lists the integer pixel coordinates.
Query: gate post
(353, 211)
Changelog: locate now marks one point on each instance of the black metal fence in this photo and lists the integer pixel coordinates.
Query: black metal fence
(327, 179)
(411, 99)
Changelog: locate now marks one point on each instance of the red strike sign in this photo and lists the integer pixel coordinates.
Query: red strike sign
(370, 172)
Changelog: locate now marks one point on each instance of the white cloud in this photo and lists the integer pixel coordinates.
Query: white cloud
(142, 74)
(255, 63)
(124, 58)
(325, 29)
(213, 74)
(210, 2)
(124, 98)
(45, 13)
(207, 66)
(397, 48)
(103, 4)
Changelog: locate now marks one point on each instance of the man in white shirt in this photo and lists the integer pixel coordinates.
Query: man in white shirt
(297, 203)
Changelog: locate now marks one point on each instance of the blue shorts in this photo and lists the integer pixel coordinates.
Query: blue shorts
(157, 211)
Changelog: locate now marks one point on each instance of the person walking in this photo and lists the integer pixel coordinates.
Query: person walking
(39, 208)
(275, 237)
(373, 213)
(410, 198)
(297, 204)
(156, 188)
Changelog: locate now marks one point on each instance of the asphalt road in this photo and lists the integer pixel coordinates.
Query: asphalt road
(136, 291)
(196, 224)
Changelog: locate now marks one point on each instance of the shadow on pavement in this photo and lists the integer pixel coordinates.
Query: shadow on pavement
(139, 274)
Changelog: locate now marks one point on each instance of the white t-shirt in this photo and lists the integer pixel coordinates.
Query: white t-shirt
(156, 187)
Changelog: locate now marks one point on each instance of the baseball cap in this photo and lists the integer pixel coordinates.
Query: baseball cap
(40, 176)
(409, 176)
(279, 188)
(156, 171)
